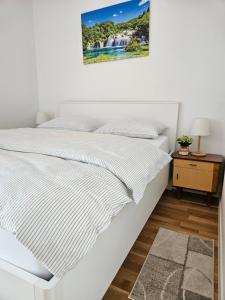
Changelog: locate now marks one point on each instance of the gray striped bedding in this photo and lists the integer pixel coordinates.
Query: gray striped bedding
(60, 189)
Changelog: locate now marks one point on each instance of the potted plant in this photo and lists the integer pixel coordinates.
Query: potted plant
(184, 141)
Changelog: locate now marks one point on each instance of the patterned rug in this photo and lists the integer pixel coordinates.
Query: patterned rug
(178, 267)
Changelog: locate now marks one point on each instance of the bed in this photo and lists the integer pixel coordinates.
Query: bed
(99, 266)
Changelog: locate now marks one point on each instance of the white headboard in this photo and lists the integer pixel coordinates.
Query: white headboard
(166, 112)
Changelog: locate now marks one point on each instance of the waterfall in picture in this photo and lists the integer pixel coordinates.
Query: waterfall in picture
(122, 40)
(110, 41)
(118, 41)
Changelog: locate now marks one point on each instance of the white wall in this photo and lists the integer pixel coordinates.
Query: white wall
(187, 61)
(18, 85)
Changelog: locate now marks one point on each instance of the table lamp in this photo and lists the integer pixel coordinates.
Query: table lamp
(200, 127)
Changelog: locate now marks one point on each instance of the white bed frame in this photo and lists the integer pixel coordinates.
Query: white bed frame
(92, 276)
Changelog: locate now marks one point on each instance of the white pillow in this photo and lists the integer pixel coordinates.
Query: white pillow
(148, 129)
(78, 123)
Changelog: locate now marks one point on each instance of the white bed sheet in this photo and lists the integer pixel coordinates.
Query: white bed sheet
(14, 252)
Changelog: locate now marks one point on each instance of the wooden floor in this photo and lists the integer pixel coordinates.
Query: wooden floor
(178, 215)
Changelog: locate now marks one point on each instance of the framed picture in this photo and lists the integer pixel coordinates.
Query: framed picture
(116, 32)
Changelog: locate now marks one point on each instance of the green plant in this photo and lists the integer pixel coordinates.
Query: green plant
(184, 140)
(133, 45)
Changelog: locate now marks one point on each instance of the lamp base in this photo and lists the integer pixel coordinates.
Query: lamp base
(198, 154)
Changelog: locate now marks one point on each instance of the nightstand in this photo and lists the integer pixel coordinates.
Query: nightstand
(198, 173)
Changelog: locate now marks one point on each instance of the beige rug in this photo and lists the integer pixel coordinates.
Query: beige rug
(178, 267)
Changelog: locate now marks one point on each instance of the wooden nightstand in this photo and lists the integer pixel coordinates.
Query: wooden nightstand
(198, 173)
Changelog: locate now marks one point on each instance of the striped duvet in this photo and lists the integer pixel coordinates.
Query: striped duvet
(60, 189)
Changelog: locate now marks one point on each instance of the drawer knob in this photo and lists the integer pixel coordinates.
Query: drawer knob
(193, 165)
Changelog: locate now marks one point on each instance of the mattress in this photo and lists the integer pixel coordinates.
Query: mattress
(14, 252)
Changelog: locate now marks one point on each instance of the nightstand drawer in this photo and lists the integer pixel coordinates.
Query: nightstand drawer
(192, 164)
(193, 179)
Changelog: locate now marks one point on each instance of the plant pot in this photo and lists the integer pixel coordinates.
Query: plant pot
(183, 150)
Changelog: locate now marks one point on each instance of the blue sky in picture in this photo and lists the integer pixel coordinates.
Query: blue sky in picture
(118, 13)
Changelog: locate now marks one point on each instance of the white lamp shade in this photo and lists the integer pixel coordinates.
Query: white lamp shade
(201, 127)
(41, 117)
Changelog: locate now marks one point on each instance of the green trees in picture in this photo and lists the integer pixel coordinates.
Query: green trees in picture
(116, 32)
